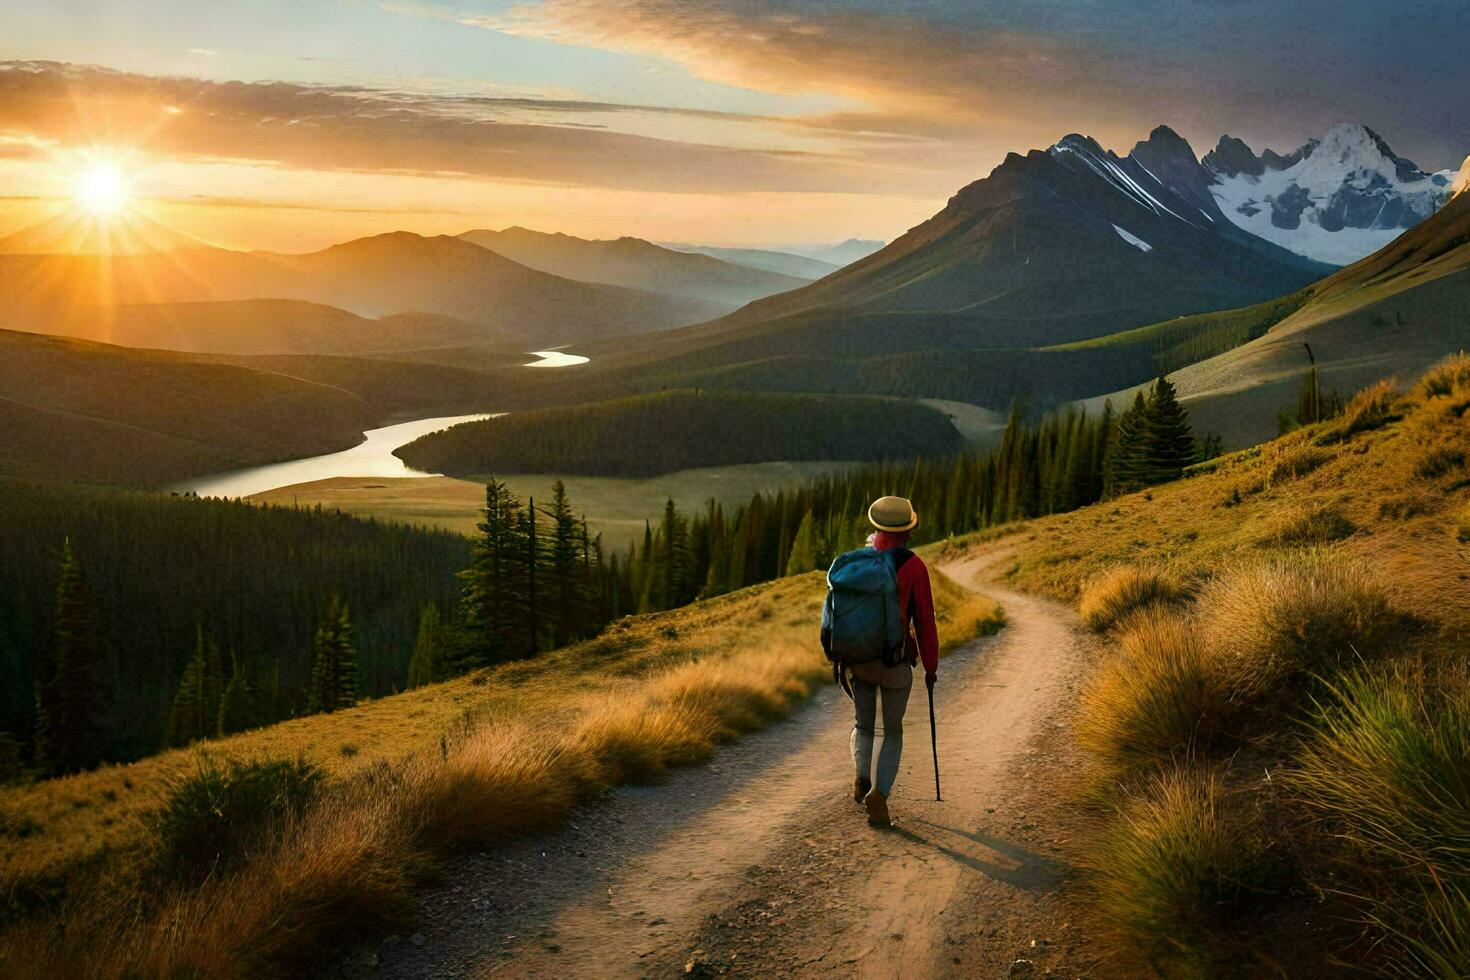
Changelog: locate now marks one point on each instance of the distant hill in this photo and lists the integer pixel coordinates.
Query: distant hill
(283, 326)
(635, 264)
(371, 277)
(74, 231)
(843, 253)
(74, 410)
(679, 430)
(1395, 312)
(786, 263)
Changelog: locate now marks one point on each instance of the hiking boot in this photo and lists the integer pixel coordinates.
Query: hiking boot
(877, 805)
(860, 787)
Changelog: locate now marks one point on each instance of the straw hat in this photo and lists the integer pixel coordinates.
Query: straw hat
(893, 514)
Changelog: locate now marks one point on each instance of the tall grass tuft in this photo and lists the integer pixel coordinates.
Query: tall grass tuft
(1124, 589)
(1159, 697)
(1447, 377)
(215, 816)
(1178, 862)
(1277, 622)
(1386, 768)
(1323, 525)
(1371, 408)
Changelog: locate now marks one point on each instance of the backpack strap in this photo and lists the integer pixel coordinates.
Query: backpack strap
(901, 557)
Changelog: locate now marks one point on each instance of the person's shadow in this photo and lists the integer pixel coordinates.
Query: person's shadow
(1025, 870)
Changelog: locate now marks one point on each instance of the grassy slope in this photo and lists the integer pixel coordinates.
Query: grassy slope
(1277, 738)
(727, 664)
(1194, 523)
(616, 507)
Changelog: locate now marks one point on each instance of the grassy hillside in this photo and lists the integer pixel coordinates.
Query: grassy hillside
(387, 788)
(1279, 728)
(1395, 312)
(94, 412)
(256, 580)
(678, 430)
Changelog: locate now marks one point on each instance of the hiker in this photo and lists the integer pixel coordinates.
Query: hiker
(877, 623)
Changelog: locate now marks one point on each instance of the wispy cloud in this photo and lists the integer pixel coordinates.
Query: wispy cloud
(206, 52)
(360, 129)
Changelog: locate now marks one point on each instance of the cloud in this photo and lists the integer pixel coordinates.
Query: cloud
(362, 129)
(206, 52)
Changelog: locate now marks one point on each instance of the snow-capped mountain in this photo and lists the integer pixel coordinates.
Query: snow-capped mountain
(1335, 199)
(1059, 244)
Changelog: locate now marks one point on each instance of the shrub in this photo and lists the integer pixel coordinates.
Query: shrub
(1124, 589)
(1385, 768)
(1284, 619)
(1404, 506)
(1445, 377)
(1159, 696)
(1321, 526)
(214, 817)
(1437, 462)
(1177, 862)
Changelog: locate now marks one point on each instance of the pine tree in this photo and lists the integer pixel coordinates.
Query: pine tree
(566, 569)
(189, 717)
(237, 707)
(495, 599)
(71, 698)
(424, 666)
(1124, 464)
(1169, 441)
(334, 680)
(803, 557)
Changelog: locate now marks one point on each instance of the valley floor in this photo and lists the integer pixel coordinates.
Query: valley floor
(759, 864)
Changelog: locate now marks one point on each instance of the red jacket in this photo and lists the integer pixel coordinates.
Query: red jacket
(916, 603)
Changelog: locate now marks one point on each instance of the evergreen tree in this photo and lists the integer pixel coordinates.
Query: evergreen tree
(495, 601)
(425, 667)
(1169, 441)
(803, 557)
(194, 713)
(1124, 465)
(71, 697)
(237, 706)
(334, 680)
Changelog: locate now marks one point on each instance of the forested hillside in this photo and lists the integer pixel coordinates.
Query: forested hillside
(677, 430)
(160, 574)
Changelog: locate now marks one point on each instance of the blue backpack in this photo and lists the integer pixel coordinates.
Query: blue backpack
(861, 621)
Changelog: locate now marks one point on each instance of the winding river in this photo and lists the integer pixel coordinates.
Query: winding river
(371, 457)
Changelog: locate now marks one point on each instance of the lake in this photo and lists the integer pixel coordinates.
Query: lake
(371, 457)
(555, 358)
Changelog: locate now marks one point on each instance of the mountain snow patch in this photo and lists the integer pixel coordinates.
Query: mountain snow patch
(1336, 199)
(1133, 240)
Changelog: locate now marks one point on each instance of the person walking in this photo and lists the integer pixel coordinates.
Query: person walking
(877, 625)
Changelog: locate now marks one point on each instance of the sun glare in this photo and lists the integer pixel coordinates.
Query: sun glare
(102, 189)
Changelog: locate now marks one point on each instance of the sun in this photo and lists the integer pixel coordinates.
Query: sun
(101, 189)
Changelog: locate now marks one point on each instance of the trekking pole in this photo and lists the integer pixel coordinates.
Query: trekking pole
(933, 739)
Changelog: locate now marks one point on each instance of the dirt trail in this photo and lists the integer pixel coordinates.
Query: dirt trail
(760, 864)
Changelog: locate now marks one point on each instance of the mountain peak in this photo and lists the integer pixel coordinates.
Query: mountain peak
(1232, 156)
(1462, 179)
(1077, 143)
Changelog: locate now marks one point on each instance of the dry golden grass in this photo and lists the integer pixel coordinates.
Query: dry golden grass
(468, 763)
(1200, 712)
(1195, 525)
(1160, 695)
(1182, 857)
(1273, 622)
(1124, 589)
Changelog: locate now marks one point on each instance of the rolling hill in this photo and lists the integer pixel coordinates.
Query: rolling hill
(785, 263)
(635, 264)
(284, 326)
(375, 277)
(76, 410)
